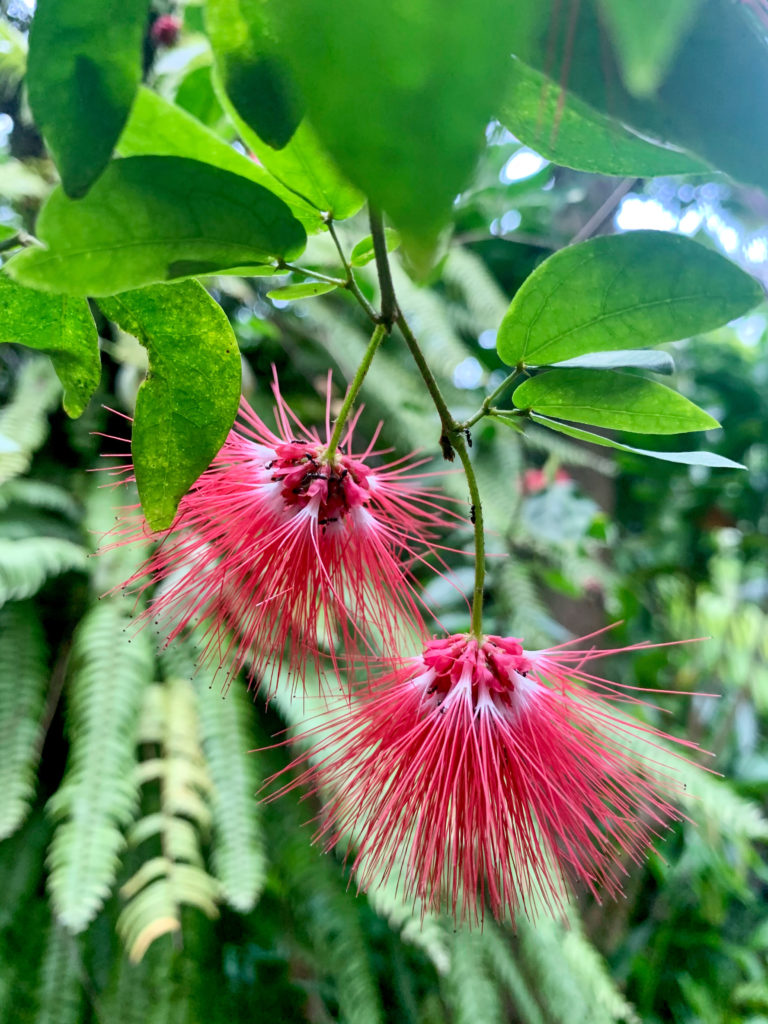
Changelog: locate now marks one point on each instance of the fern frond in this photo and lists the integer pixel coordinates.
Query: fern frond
(469, 990)
(608, 1004)
(26, 564)
(61, 993)
(509, 974)
(23, 681)
(40, 495)
(238, 856)
(486, 303)
(175, 877)
(24, 421)
(99, 793)
(427, 933)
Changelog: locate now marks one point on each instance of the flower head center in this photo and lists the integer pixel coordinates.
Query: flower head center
(334, 486)
(491, 670)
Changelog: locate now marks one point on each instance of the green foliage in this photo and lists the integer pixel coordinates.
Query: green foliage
(175, 876)
(686, 458)
(61, 326)
(186, 406)
(26, 564)
(24, 420)
(469, 987)
(646, 41)
(84, 68)
(98, 797)
(603, 398)
(157, 127)
(252, 72)
(570, 132)
(186, 218)
(239, 855)
(618, 291)
(59, 985)
(409, 132)
(23, 681)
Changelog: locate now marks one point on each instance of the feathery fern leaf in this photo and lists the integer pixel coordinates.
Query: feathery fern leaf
(428, 933)
(509, 974)
(238, 846)
(27, 563)
(174, 877)
(99, 793)
(59, 985)
(24, 421)
(469, 990)
(39, 494)
(23, 682)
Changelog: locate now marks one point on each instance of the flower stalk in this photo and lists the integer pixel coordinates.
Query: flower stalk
(352, 391)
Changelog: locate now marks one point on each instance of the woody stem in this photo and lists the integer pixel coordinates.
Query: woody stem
(377, 337)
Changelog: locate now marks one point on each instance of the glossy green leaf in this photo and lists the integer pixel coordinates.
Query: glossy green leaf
(603, 398)
(711, 100)
(687, 458)
(621, 291)
(302, 291)
(6, 232)
(569, 132)
(60, 326)
(646, 37)
(157, 127)
(155, 218)
(639, 359)
(83, 71)
(188, 403)
(304, 168)
(254, 75)
(401, 94)
(364, 252)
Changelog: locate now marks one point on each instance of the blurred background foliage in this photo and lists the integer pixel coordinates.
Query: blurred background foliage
(141, 879)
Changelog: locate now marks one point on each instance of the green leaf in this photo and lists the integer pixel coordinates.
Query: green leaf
(639, 358)
(6, 232)
(646, 38)
(304, 168)
(621, 291)
(159, 128)
(603, 398)
(687, 458)
(252, 72)
(151, 219)
(569, 132)
(186, 406)
(83, 71)
(62, 327)
(302, 291)
(713, 95)
(363, 252)
(401, 94)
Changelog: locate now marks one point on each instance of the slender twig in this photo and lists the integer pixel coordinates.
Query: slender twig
(282, 265)
(352, 391)
(476, 515)
(388, 303)
(602, 214)
(487, 408)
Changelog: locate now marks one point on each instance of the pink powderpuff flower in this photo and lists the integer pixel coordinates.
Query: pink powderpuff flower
(283, 550)
(485, 774)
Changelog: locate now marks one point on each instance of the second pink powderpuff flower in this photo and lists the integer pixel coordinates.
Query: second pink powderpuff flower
(286, 553)
(483, 774)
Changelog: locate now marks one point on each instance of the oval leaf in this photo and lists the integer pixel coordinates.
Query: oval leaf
(641, 359)
(569, 132)
(187, 405)
(83, 71)
(606, 399)
(401, 94)
(363, 252)
(155, 218)
(621, 291)
(302, 291)
(60, 326)
(686, 458)
(157, 127)
(253, 74)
